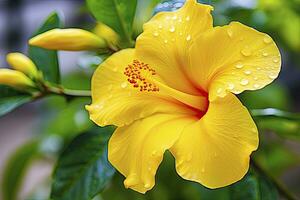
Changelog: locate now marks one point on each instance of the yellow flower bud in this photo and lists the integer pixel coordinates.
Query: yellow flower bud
(68, 39)
(22, 63)
(15, 79)
(107, 33)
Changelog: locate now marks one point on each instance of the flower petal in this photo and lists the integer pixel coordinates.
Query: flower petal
(233, 58)
(137, 150)
(117, 102)
(215, 151)
(166, 39)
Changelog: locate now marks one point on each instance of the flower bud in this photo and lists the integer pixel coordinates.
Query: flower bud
(15, 79)
(107, 33)
(22, 63)
(68, 39)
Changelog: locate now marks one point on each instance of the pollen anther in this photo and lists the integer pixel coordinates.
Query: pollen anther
(139, 75)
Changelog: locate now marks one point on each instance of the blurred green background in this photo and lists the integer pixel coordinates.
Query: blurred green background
(33, 136)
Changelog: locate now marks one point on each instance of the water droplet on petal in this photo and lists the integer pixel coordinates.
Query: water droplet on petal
(124, 85)
(272, 76)
(246, 52)
(180, 20)
(187, 18)
(155, 33)
(174, 17)
(230, 33)
(165, 41)
(244, 82)
(154, 153)
(172, 29)
(258, 68)
(147, 185)
(219, 91)
(255, 78)
(275, 60)
(265, 54)
(239, 65)
(267, 39)
(188, 38)
(115, 69)
(180, 33)
(230, 86)
(247, 72)
(256, 85)
(160, 26)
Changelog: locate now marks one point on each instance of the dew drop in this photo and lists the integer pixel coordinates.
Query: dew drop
(149, 168)
(115, 69)
(180, 34)
(187, 18)
(219, 91)
(230, 86)
(246, 52)
(174, 17)
(229, 33)
(256, 85)
(265, 54)
(255, 78)
(267, 39)
(258, 68)
(244, 82)
(247, 72)
(172, 29)
(160, 26)
(165, 41)
(155, 33)
(188, 38)
(239, 65)
(147, 185)
(272, 76)
(275, 60)
(180, 20)
(124, 85)
(154, 153)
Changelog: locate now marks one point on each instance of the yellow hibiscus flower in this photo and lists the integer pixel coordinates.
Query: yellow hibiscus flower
(175, 91)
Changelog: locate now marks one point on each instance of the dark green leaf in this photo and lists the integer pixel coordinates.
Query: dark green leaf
(11, 99)
(117, 14)
(16, 168)
(47, 60)
(83, 169)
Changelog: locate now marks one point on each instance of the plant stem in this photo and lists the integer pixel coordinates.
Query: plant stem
(68, 93)
(279, 185)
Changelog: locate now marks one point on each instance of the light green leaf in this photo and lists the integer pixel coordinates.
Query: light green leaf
(83, 169)
(16, 168)
(11, 99)
(117, 14)
(47, 60)
(144, 11)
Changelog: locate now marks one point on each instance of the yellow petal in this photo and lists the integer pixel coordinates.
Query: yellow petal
(233, 58)
(215, 150)
(14, 78)
(115, 101)
(137, 150)
(106, 33)
(22, 63)
(68, 39)
(166, 40)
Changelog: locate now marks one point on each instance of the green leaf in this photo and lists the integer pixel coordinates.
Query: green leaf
(47, 60)
(83, 169)
(117, 14)
(254, 187)
(144, 11)
(11, 99)
(16, 167)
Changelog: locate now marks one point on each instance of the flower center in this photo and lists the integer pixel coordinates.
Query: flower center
(138, 74)
(141, 76)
